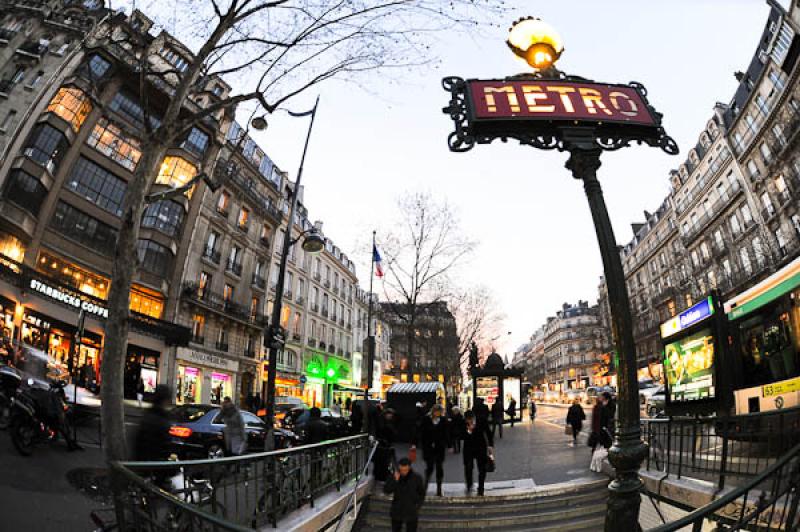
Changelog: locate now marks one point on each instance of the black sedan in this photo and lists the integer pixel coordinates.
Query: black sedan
(196, 432)
(298, 420)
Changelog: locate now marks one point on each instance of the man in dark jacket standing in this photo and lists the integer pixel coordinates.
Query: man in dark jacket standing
(478, 444)
(434, 437)
(409, 494)
(317, 430)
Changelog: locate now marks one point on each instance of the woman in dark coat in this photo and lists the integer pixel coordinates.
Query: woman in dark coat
(386, 434)
(575, 417)
(434, 437)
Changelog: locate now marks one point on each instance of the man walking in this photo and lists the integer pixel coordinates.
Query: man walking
(512, 410)
(478, 447)
(435, 440)
(409, 494)
(575, 417)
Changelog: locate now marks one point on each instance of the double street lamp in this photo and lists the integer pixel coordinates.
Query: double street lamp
(313, 242)
(549, 109)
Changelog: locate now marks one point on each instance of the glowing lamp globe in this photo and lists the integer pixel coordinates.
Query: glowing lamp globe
(536, 42)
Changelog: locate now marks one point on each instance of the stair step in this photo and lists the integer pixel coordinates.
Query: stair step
(591, 523)
(477, 506)
(449, 522)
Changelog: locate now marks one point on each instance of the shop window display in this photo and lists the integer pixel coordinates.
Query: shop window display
(188, 385)
(220, 387)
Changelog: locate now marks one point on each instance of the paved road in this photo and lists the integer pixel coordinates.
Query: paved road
(537, 450)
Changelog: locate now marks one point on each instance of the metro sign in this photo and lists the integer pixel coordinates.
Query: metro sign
(556, 100)
(541, 112)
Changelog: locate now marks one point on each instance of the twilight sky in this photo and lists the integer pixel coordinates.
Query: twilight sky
(537, 244)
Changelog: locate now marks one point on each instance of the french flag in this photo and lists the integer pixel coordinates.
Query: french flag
(376, 258)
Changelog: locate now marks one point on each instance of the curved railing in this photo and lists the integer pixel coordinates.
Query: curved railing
(766, 502)
(233, 494)
(724, 450)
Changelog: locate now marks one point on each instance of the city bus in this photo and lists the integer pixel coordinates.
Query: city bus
(763, 324)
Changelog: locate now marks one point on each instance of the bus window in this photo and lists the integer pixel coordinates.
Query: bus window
(767, 349)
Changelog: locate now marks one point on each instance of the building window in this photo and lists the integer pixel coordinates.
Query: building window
(255, 306)
(223, 202)
(705, 251)
(176, 172)
(726, 266)
(165, 216)
(126, 106)
(26, 191)
(736, 227)
(198, 328)
(109, 140)
(174, 58)
(72, 105)
(766, 153)
(5, 125)
(82, 228)
(718, 239)
(227, 292)
(747, 215)
(767, 202)
(196, 142)
(776, 79)
(796, 225)
(153, 257)
(244, 217)
(204, 284)
(781, 241)
(95, 68)
(745, 258)
(752, 169)
(298, 320)
(758, 251)
(47, 146)
(148, 304)
(74, 276)
(36, 79)
(265, 230)
(97, 185)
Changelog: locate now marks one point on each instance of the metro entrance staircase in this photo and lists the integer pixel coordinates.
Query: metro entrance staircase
(570, 506)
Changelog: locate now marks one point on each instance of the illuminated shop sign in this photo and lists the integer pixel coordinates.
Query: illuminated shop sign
(687, 318)
(558, 100)
(69, 299)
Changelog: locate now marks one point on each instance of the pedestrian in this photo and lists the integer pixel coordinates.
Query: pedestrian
(533, 410)
(386, 433)
(233, 433)
(408, 491)
(250, 401)
(456, 429)
(152, 441)
(601, 423)
(512, 410)
(481, 411)
(316, 430)
(478, 449)
(139, 391)
(497, 417)
(348, 405)
(575, 417)
(356, 416)
(434, 437)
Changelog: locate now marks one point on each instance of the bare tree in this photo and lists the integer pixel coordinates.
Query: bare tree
(477, 318)
(420, 255)
(271, 50)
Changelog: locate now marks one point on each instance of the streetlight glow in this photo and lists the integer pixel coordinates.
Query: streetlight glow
(536, 42)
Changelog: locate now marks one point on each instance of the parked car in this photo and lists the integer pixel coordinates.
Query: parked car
(570, 395)
(591, 393)
(656, 402)
(197, 432)
(646, 388)
(284, 405)
(552, 396)
(298, 419)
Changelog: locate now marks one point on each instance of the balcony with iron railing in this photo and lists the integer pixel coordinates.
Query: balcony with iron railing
(34, 49)
(728, 195)
(217, 302)
(234, 267)
(211, 254)
(703, 181)
(750, 131)
(7, 34)
(250, 353)
(263, 203)
(221, 346)
(197, 339)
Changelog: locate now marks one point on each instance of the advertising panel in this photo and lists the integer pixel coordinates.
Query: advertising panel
(488, 388)
(689, 367)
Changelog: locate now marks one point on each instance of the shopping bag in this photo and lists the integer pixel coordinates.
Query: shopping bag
(600, 454)
(568, 430)
(490, 464)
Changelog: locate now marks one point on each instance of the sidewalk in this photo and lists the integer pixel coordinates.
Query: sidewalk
(537, 451)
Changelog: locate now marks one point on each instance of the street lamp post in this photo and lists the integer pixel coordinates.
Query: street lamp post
(312, 243)
(548, 109)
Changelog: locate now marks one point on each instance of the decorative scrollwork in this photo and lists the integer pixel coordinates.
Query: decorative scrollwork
(461, 139)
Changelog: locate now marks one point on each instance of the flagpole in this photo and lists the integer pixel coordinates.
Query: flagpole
(370, 337)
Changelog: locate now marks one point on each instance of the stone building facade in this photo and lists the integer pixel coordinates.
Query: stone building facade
(571, 347)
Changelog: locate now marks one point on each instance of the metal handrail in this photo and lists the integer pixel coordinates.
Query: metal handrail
(695, 518)
(353, 499)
